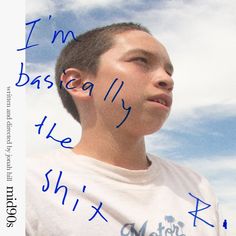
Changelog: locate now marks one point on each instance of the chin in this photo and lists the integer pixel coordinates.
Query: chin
(147, 128)
(152, 130)
(154, 125)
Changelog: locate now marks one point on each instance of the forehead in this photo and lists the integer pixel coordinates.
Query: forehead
(136, 36)
(135, 41)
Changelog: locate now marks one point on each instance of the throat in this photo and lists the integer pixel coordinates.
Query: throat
(128, 156)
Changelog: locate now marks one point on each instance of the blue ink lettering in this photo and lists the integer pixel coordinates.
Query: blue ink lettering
(76, 202)
(122, 82)
(110, 89)
(127, 109)
(27, 41)
(123, 102)
(97, 211)
(34, 81)
(65, 140)
(61, 82)
(58, 187)
(48, 81)
(62, 186)
(84, 187)
(67, 84)
(63, 38)
(90, 87)
(41, 125)
(225, 225)
(194, 213)
(44, 189)
(22, 73)
(55, 35)
(49, 134)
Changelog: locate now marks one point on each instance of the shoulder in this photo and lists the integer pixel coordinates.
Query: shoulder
(173, 168)
(183, 178)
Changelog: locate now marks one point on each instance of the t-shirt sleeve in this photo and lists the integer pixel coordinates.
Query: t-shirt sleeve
(222, 231)
(210, 194)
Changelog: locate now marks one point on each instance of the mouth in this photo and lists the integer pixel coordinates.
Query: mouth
(162, 99)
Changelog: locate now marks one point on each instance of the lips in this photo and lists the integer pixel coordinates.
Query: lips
(162, 99)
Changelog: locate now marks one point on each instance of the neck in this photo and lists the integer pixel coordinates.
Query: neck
(114, 148)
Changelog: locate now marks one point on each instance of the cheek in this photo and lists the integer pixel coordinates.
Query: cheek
(107, 98)
(134, 89)
(121, 85)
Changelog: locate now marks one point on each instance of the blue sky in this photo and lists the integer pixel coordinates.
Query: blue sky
(210, 136)
(200, 38)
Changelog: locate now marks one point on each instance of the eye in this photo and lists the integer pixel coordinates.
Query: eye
(143, 60)
(169, 73)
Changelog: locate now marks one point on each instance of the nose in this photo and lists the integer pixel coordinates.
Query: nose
(165, 82)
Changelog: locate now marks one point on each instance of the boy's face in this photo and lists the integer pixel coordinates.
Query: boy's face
(143, 64)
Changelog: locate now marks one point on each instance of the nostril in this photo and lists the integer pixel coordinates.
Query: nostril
(166, 85)
(162, 84)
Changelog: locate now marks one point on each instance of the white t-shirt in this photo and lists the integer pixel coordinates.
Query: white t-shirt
(69, 194)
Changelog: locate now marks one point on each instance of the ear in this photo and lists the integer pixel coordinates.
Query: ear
(74, 81)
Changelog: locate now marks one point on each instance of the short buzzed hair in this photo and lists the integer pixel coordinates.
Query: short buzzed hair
(84, 53)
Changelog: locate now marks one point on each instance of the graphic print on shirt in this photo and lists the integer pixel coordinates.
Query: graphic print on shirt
(170, 226)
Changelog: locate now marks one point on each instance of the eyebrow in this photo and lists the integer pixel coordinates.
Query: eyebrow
(168, 65)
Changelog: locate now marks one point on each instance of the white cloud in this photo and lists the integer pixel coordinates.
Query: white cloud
(160, 141)
(72, 5)
(35, 8)
(36, 69)
(214, 164)
(190, 120)
(41, 8)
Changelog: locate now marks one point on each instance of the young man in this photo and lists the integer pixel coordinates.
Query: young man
(117, 84)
